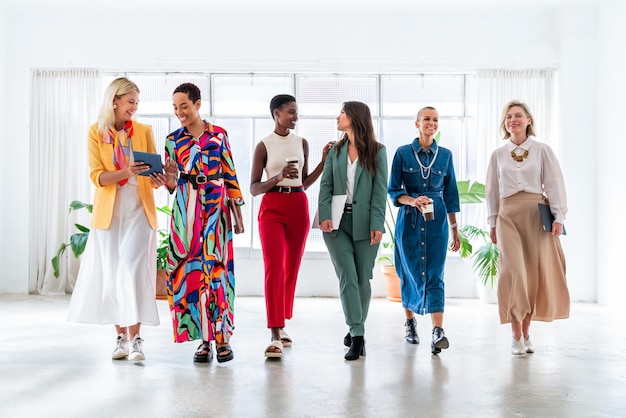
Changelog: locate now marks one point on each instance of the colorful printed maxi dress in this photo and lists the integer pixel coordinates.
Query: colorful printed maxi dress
(201, 281)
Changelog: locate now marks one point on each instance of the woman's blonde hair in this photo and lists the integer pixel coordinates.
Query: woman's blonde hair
(530, 129)
(118, 87)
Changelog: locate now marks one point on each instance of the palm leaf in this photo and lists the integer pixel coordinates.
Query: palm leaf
(470, 192)
(486, 264)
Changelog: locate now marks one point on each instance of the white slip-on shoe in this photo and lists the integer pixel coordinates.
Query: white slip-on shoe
(121, 347)
(529, 345)
(518, 347)
(136, 349)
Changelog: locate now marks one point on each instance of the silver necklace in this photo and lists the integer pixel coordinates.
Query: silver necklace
(425, 170)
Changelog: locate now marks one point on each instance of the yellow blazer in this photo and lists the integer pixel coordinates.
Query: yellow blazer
(101, 160)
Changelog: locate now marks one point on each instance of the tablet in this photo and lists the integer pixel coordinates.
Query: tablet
(153, 161)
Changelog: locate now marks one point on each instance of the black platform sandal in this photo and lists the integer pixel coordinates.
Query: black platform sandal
(225, 353)
(204, 353)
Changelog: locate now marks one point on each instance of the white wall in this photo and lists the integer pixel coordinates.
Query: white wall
(4, 241)
(578, 70)
(609, 141)
(328, 41)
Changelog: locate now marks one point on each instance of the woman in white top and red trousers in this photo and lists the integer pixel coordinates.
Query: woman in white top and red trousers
(284, 213)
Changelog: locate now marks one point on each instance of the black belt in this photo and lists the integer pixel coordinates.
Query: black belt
(195, 180)
(286, 189)
(347, 208)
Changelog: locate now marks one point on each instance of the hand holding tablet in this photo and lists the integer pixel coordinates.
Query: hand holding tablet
(153, 161)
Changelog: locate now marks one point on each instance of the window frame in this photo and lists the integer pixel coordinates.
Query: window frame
(250, 241)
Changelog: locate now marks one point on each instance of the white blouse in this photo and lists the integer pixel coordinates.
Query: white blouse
(538, 173)
(351, 173)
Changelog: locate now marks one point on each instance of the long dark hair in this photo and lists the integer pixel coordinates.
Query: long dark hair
(364, 137)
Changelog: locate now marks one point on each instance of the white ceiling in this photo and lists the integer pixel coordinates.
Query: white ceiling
(284, 6)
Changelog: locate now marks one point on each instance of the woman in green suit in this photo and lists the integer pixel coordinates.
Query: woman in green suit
(355, 172)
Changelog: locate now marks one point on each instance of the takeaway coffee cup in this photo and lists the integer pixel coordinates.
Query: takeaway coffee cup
(428, 212)
(293, 163)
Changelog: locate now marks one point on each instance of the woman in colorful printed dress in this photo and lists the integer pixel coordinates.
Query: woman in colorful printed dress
(531, 268)
(284, 213)
(422, 174)
(116, 282)
(201, 283)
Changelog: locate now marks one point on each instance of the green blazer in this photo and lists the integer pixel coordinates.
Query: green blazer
(369, 197)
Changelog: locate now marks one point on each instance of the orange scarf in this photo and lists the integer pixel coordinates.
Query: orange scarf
(121, 154)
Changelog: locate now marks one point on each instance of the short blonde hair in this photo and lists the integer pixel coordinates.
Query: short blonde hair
(118, 88)
(530, 129)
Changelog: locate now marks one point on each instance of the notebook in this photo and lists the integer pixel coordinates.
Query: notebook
(547, 218)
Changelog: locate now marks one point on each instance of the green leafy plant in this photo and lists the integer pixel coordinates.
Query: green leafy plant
(78, 240)
(163, 240)
(390, 226)
(485, 257)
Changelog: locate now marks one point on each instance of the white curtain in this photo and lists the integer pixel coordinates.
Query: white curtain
(537, 88)
(63, 105)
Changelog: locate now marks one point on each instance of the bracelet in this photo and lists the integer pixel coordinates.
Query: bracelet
(454, 225)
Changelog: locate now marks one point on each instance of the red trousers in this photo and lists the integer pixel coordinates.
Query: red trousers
(283, 228)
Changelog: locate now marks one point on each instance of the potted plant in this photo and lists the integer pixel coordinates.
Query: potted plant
(163, 242)
(475, 241)
(388, 269)
(78, 240)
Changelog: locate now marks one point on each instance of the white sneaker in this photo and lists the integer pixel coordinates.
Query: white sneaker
(121, 347)
(529, 345)
(518, 347)
(136, 349)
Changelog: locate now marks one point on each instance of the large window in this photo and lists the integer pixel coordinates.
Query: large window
(240, 104)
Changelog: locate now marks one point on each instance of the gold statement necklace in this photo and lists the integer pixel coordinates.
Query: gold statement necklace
(519, 157)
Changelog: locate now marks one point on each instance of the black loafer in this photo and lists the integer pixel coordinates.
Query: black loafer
(204, 353)
(439, 341)
(410, 335)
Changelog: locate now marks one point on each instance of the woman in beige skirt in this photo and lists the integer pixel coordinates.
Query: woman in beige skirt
(531, 271)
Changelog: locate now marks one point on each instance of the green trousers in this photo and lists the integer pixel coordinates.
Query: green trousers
(353, 262)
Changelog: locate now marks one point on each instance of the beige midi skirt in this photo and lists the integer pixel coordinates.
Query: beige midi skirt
(531, 270)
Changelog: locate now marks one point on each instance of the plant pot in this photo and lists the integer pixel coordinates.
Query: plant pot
(392, 283)
(487, 294)
(161, 284)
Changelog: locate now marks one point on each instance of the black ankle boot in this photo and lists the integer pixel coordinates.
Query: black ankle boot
(439, 341)
(347, 340)
(410, 335)
(357, 348)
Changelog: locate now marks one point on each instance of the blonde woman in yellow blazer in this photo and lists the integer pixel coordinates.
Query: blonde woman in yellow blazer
(116, 281)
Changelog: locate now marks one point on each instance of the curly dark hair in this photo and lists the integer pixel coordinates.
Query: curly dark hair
(191, 90)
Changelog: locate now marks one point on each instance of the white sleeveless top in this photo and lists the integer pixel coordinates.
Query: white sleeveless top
(279, 148)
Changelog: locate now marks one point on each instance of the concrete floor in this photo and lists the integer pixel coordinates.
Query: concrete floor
(52, 368)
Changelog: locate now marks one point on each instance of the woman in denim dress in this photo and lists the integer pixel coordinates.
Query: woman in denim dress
(423, 173)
